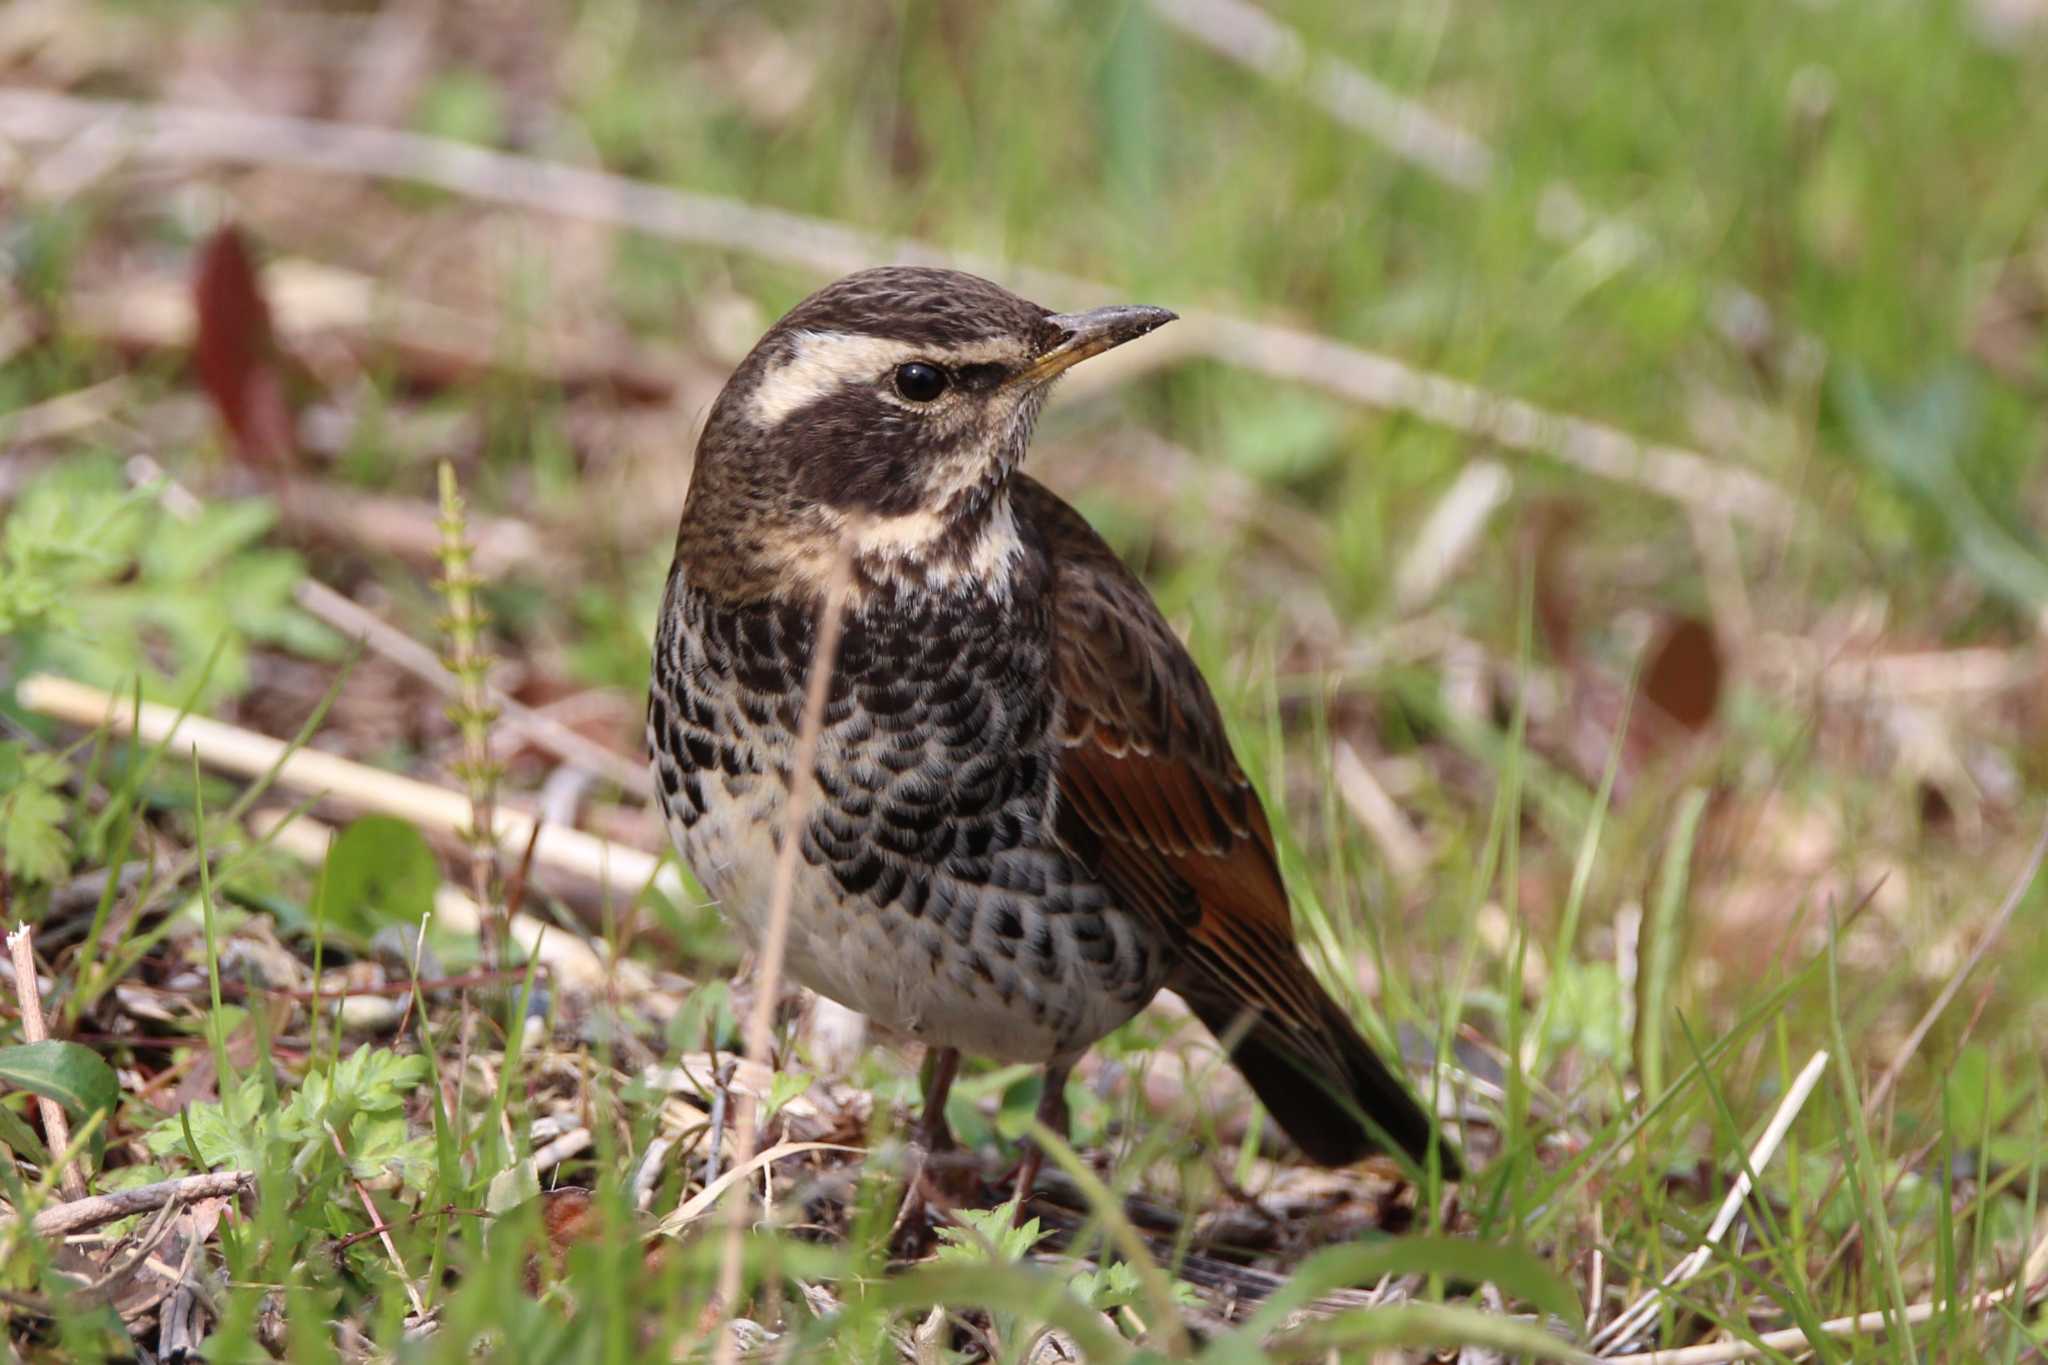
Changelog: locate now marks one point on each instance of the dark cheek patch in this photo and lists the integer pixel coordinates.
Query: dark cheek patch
(854, 451)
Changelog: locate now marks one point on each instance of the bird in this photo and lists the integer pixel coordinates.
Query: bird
(1027, 819)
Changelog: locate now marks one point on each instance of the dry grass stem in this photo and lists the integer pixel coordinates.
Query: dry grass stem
(182, 134)
(27, 990)
(1792, 1339)
(412, 1291)
(1450, 533)
(701, 1203)
(63, 415)
(1247, 35)
(1624, 1328)
(1796, 663)
(1243, 33)
(543, 731)
(231, 748)
(768, 973)
(1992, 933)
(1380, 381)
(1407, 856)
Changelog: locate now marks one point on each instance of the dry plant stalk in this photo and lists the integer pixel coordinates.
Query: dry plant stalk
(56, 1128)
(768, 977)
(106, 130)
(471, 708)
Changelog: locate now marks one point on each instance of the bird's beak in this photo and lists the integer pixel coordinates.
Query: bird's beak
(1092, 333)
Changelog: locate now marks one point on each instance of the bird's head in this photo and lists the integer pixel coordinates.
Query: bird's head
(890, 409)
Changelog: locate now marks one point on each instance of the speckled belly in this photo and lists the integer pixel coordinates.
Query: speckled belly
(929, 894)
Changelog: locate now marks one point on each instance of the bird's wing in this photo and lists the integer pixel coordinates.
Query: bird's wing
(1153, 801)
(1150, 794)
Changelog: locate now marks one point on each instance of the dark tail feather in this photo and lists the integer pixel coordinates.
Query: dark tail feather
(1325, 1085)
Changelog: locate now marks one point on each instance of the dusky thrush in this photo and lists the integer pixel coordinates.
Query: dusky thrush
(1027, 817)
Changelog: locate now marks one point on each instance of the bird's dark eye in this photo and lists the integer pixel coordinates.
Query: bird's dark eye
(920, 382)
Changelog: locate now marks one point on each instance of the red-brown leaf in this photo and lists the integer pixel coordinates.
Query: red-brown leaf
(236, 352)
(1683, 679)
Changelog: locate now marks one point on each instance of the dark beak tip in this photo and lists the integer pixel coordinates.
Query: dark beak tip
(1111, 326)
(1132, 321)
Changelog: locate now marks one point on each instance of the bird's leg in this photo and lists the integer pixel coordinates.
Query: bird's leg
(932, 1135)
(941, 1065)
(1052, 1112)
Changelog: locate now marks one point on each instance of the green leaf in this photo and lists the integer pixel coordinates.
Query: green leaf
(33, 845)
(100, 583)
(15, 1132)
(374, 1081)
(385, 1146)
(1517, 1273)
(786, 1086)
(1922, 440)
(71, 526)
(225, 1140)
(73, 1075)
(379, 871)
(1278, 437)
(1116, 1285)
(983, 1235)
(1977, 1097)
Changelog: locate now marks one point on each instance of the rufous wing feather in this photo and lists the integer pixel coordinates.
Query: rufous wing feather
(1150, 795)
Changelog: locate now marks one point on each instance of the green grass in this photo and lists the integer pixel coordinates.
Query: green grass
(1638, 958)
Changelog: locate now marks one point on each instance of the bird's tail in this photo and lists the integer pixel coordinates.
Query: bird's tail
(1322, 1081)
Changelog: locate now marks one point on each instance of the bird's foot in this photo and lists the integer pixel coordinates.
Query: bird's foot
(938, 1181)
(1052, 1113)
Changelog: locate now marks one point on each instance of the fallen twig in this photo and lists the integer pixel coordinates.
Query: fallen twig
(183, 134)
(1241, 32)
(233, 749)
(647, 1172)
(64, 414)
(56, 1128)
(568, 958)
(78, 1214)
(573, 1143)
